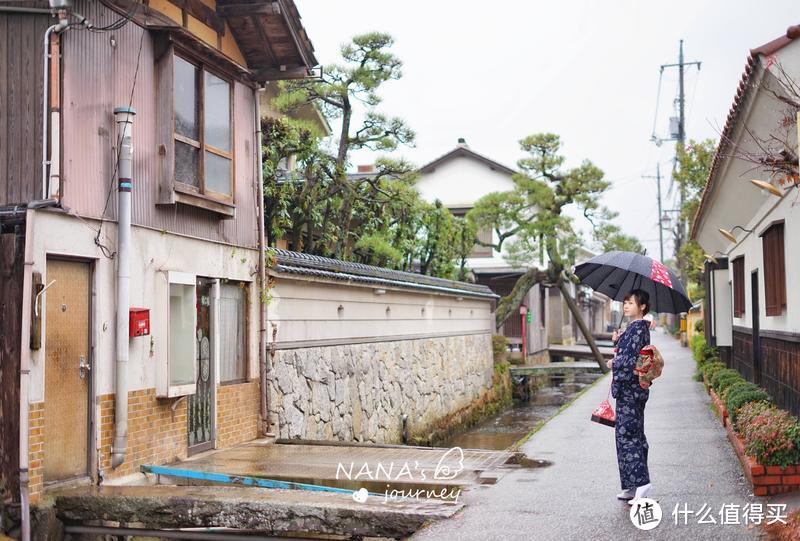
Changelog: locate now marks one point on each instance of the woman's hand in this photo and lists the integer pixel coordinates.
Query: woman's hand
(609, 362)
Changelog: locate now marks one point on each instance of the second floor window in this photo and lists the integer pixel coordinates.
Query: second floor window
(202, 131)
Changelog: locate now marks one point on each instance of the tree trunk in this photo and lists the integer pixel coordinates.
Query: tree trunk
(584, 329)
(509, 305)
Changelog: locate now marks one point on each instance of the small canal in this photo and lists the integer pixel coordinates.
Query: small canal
(547, 393)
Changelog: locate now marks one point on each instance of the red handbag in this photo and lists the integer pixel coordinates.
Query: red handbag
(604, 414)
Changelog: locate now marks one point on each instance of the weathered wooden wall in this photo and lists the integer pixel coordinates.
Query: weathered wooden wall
(12, 250)
(21, 38)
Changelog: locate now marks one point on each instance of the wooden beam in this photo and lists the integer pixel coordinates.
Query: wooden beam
(245, 10)
(205, 14)
(291, 72)
(266, 42)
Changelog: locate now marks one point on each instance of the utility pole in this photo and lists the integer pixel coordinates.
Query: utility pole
(681, 139)
(660, 227)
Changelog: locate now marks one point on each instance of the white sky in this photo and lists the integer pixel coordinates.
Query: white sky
(494, 72)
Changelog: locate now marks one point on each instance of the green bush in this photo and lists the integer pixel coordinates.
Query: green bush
(697, 344)
(739, 386)
(499, 347)
(711, 368)
(698, 326)
(742, 395)
(726, 374)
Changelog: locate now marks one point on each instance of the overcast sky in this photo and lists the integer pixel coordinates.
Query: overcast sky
(494, 72)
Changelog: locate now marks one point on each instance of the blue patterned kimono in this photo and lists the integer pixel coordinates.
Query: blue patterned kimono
(631, 398)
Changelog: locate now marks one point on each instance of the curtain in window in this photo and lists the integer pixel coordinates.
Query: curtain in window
(232, 333)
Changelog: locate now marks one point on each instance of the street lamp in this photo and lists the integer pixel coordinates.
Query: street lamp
(729, 234)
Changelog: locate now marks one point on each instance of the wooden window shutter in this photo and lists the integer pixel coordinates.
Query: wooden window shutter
(774, 270)
(738, 287)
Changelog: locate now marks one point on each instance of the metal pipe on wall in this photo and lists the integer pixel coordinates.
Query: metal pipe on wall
(124, 119)
(262, 270)
(25, 377)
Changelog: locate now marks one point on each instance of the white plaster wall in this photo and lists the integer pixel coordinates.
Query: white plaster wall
(153, 254)
(459, 183)
(749, 245)
(723, 308)
(304, 309)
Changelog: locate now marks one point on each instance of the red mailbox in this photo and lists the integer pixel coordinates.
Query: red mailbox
(139, 322)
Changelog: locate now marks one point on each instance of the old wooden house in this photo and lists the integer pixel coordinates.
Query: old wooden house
(129, 208)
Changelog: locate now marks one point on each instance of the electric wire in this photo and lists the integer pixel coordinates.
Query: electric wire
(106, 252)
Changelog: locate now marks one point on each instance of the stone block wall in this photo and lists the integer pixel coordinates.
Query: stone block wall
(359, 392)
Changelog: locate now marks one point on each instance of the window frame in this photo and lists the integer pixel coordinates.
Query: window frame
(201, 145)
(773, 253)
(165, 387)
(737, 270)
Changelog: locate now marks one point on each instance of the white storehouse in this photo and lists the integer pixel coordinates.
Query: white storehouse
(459, 179)
(749, 225)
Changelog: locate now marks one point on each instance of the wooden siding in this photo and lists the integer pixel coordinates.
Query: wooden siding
(742, 358)
(21, 38)
(780, 364)
(12, 248)
(98, 78)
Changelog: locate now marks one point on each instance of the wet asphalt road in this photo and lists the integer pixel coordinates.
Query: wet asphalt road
(691, 463)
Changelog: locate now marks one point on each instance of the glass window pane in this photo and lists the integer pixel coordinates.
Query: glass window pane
(181, 334)
(218, 173)
(232, 332)
(186, 161)
(186, 99)
(217, 112)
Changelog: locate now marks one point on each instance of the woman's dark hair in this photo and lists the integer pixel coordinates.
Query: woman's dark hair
(641, 297)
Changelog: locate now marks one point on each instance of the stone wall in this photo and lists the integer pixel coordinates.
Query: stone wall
(359, 392)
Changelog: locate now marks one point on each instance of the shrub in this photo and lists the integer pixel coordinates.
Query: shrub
(698, 326)
(741, 394)
(499, 347)
(726, 381)
(771, 435)
(697, 344)
(723, 378)
(709, 369)
(737, 386)
(748, 412)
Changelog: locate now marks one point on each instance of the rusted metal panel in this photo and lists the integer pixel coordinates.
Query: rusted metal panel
(99, 76)
(12, 249)
(66, 387)
(21, 38)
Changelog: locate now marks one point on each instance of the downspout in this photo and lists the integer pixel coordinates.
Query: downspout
(25, 350)
(25, 377)
(56, 28)
(124, 119)
(262, 270)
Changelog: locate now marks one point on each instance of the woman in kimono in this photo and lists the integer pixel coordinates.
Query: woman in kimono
(631, 399)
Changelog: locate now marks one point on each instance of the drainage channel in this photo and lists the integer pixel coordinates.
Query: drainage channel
(540, 400)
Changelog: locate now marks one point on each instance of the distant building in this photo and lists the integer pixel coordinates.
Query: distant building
(459, 179)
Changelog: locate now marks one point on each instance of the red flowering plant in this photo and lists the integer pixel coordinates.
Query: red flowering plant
(770, 435)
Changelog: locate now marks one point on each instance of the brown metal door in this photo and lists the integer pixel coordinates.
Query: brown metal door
(66, 382)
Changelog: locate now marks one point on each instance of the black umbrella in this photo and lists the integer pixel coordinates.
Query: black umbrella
(616, 273)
